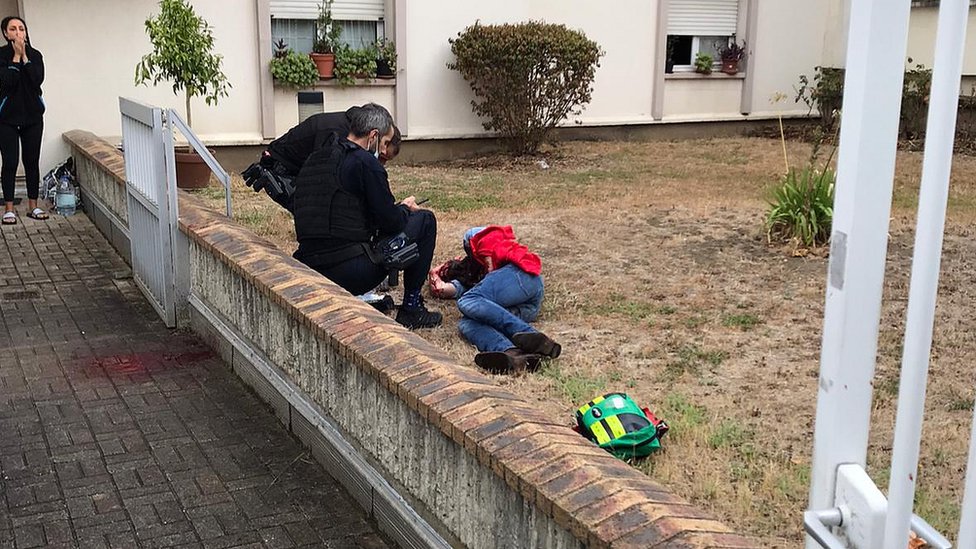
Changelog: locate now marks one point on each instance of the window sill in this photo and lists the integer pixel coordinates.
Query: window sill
(716, 75)
(360, 82)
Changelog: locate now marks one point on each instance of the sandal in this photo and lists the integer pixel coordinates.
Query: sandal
(10, 218)
(38, 213)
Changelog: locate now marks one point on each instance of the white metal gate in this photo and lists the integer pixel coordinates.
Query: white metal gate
(151, 203)
(151, 195)
(846, 508)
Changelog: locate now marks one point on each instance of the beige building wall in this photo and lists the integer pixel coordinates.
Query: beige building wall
(789, 42)
(921, 44)
(9, 7)
(91, 49)
(335, 98)
(694, 98)
(439, 100)
(835, 35)
(84, 82)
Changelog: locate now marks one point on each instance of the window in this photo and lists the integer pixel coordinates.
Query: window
(699, 26)
(294, 22)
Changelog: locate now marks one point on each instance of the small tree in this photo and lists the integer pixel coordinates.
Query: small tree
(328, 31)
(825, 93)
(182, 54)
(526, 77)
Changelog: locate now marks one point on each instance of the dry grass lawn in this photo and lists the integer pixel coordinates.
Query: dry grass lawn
(659, 283)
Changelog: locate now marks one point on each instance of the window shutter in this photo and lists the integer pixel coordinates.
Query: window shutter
(703, 17)
(342, 10)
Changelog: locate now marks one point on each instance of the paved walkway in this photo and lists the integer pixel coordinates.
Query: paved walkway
(116, 432)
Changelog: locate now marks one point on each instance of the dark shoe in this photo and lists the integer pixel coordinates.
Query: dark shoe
(538, 343)
(419, 317)
(383, 305)
(511, 361)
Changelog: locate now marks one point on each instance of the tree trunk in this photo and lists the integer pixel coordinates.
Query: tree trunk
(189, 118)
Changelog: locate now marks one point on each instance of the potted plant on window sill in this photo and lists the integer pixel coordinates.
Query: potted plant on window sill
(182, 53)
(327, 33)
(386, 59)
(703, 63)
(292, 69)
(731, 55)
(354, 64)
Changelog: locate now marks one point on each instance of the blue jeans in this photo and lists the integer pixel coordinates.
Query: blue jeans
(499, 306)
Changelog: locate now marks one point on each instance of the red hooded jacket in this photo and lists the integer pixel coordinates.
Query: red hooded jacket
(498, 243)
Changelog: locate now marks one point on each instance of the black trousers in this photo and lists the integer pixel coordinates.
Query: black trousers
(359, 275)
(11, 138)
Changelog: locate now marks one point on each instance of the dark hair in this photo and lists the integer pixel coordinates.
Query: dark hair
(393, 147)
(6, 21)
(465, 270)
(351, 112)
(369, 117)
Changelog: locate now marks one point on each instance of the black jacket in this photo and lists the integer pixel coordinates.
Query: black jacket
(20, 87)
(342, 197)
(293, 148)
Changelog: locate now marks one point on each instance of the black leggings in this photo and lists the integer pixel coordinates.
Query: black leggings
(10, 139)
(359, 275)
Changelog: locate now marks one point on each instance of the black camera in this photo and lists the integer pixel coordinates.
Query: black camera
(279, 186)
(396, 252)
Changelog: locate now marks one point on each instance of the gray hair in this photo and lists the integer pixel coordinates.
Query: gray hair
(369, 117)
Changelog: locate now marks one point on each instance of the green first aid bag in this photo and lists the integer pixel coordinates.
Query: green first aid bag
(618, 425)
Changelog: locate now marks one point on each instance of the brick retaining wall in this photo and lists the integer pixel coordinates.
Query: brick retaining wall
(481, 465)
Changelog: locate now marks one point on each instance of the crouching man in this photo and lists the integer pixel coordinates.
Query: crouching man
(348, 225)
(278, 166)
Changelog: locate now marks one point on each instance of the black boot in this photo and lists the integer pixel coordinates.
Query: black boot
(418, 317)
(510, 361)
(383, 305)
(538, 343)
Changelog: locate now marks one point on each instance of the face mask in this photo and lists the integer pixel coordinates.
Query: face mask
(376, 152)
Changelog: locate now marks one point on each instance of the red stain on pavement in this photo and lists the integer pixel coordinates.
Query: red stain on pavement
(139, 363)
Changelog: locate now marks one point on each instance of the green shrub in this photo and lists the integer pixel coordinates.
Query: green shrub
(915, 102)
(825, 93)
(802, 207)
(294, 70)
(526, 77)
(352, 64)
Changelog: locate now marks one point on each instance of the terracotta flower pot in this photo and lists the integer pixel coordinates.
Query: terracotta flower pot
(730, 67)
(191, 170)
(325, 62)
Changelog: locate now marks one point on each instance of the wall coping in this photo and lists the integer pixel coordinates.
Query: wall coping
(603, 501)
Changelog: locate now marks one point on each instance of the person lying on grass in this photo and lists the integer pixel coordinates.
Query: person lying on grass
(499, 290)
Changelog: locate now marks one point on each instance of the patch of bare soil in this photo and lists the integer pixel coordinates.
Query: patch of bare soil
(659, 283)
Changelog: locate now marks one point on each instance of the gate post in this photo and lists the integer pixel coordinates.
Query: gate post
(877, 41)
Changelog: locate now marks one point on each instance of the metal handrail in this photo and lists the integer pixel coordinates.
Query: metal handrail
(174, 118)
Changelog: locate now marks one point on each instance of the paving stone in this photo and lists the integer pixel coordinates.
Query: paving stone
(116, 432)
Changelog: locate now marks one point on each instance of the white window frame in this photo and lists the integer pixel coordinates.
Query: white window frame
(695, 50)
(380, 30)
(345, 12)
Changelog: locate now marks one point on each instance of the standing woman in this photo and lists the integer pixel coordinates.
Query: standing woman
(21, 116)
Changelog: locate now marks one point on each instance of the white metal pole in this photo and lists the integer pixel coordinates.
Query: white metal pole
(877, 41)
(939, 137)
(967, 518)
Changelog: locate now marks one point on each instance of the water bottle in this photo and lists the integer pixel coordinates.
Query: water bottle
(64, 198)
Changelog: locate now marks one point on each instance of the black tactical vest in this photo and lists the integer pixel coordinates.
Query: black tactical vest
(323, 210)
